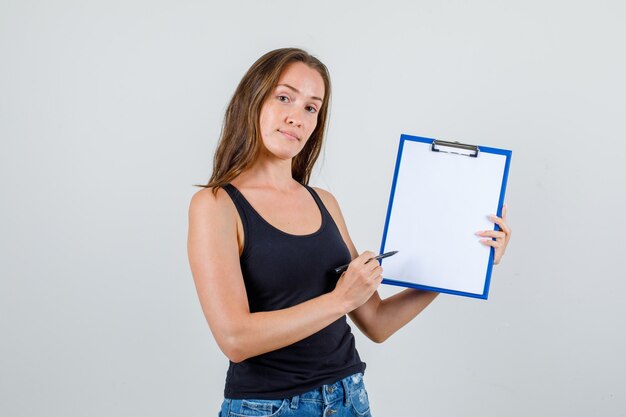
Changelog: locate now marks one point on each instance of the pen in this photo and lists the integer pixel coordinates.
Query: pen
(343, 268)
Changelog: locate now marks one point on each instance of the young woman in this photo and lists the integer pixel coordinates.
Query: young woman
(263, 246)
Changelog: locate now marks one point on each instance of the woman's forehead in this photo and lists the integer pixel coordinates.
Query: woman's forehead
(303, 79)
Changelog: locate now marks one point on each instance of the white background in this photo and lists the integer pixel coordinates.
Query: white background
(110, 111)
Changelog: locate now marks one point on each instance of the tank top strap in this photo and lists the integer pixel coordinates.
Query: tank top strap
(237, 198)
(240, 201)
(319, 202)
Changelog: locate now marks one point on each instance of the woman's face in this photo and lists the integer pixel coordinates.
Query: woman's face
(289, 115)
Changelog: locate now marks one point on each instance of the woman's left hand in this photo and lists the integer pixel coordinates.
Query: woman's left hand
(501, 237)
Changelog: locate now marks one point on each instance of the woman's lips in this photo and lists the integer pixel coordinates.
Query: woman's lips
(289, 135)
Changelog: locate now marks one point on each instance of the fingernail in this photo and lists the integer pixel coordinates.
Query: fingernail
(478, 233)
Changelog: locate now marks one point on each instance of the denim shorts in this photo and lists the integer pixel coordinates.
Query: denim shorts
(345, 398)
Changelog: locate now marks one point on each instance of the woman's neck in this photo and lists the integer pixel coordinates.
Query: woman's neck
(275, 174)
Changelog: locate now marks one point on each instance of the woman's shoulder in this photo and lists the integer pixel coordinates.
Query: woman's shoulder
(210, 203)
(209, 195)
(327, 198)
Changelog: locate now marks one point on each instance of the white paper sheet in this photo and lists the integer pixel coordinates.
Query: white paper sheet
(440, 201)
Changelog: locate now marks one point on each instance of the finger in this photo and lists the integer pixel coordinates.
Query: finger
(492, 233)
(500, 222)
(365, 255)
(376, 272)
(378, 280)
(369, 260)
(363, 258)
(373, 264)
(504, 212)
(493, 243)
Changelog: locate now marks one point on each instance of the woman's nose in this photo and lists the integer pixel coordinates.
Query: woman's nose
(294, 120)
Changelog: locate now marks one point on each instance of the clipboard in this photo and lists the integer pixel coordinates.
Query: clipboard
(442, 193)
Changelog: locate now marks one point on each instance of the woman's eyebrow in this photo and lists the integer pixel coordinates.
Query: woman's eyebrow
(298, 91)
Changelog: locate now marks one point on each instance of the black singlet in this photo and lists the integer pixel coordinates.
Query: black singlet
(281, 270)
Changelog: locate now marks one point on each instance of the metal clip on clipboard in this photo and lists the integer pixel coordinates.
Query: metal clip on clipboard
(455, 147)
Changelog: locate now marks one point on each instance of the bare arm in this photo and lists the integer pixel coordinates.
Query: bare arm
(214, 249)
(379, 319)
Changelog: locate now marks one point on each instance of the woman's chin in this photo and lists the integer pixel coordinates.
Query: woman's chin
(282, 154)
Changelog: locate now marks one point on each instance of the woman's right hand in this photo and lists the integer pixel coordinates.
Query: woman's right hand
(360, 281)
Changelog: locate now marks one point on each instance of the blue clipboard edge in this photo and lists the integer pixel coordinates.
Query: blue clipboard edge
(485, 294)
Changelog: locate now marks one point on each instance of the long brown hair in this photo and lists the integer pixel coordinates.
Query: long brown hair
(240, 140)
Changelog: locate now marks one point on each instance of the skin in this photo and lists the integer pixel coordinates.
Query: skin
(215, 240)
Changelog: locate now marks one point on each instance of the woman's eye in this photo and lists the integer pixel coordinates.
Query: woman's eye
(311, 109)
(284, 99)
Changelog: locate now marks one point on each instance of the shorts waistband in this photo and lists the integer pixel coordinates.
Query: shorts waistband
(330, 393)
